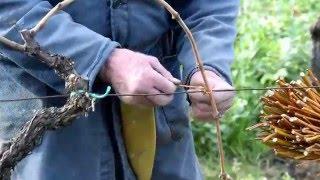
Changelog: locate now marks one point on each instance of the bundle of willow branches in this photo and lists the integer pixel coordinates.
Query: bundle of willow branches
(291, 119)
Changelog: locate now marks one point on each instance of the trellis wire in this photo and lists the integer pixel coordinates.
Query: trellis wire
(159, 94)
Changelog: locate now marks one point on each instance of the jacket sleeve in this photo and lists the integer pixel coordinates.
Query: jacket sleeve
(60, 35)
(212, 23)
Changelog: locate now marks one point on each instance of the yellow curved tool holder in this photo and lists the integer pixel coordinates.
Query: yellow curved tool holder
(139, 133)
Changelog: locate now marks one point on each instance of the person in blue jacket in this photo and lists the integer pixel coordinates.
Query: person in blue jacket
(135, 46)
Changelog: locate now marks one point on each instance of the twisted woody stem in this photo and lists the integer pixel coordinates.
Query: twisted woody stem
(199, 62)
(51, 118)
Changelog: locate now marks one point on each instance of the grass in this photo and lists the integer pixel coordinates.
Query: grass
(273, 41)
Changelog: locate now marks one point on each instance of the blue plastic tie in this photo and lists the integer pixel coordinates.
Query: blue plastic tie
(94, 95)
(101, 96)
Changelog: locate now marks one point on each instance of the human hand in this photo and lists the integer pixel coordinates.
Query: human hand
(200, 102)
(136, 73)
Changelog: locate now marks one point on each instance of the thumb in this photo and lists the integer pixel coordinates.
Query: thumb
(156, 65)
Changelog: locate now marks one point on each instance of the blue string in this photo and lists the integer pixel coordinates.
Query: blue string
(101, 96)
(94, 95)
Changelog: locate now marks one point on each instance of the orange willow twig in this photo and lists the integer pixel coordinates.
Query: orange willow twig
(199, 62)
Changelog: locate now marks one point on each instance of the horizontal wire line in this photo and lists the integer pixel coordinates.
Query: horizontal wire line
(159, 94)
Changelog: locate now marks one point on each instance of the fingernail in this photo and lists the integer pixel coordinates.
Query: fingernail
(175, 81)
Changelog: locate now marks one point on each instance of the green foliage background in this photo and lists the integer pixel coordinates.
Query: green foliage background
(273, 41)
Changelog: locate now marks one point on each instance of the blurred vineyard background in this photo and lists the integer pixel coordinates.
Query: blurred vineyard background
(273, 41)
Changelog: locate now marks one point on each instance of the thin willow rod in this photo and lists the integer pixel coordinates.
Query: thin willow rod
(214, 111)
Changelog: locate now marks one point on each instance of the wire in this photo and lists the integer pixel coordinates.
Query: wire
(34, 98)
(159, 94)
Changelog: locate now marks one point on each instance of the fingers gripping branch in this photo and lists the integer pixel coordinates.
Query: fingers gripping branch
(199, 62)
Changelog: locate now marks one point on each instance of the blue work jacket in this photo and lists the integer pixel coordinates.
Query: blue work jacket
(92, 147)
